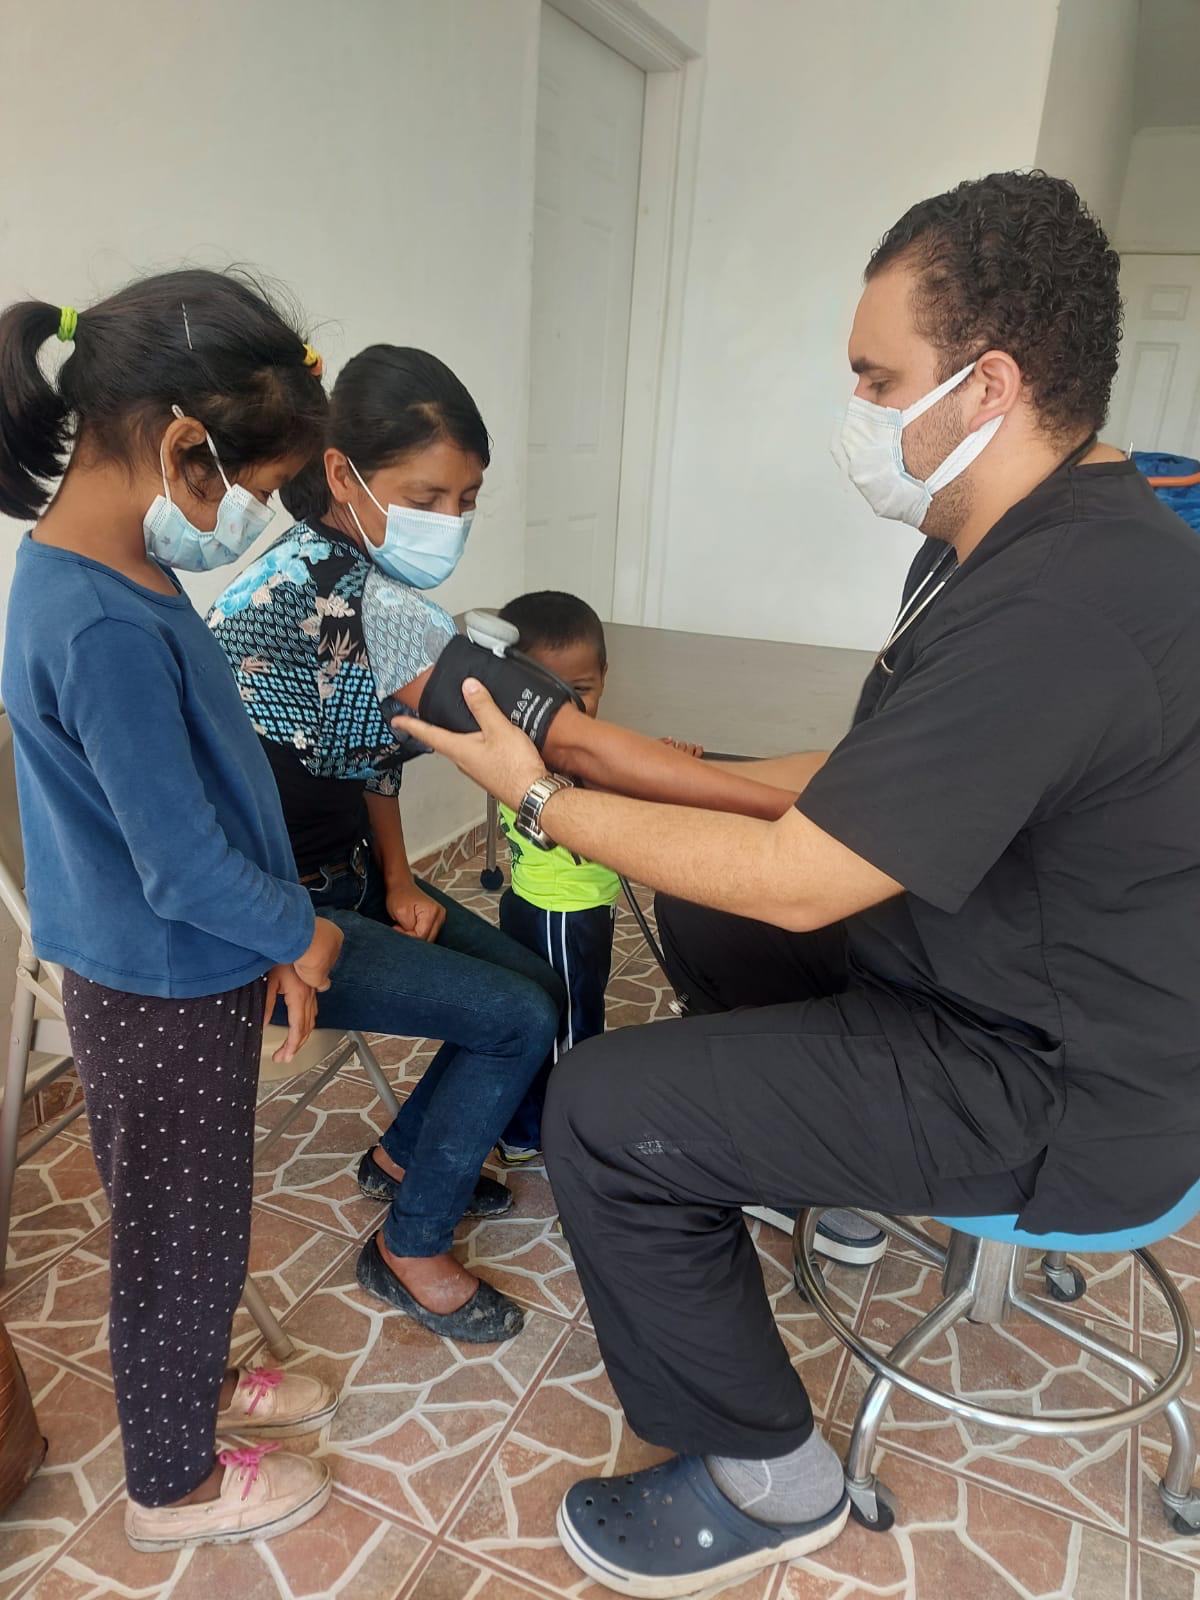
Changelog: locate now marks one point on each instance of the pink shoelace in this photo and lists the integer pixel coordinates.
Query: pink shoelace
(260, 1381)
(247, 1460)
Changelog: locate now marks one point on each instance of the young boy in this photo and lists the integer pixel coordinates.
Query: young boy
(559, 906)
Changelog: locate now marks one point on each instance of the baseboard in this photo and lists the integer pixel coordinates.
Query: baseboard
(454, 852)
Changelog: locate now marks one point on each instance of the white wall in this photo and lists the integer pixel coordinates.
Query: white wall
(1160, 206)
(820, 125)
(1089, 115)
(376, 156)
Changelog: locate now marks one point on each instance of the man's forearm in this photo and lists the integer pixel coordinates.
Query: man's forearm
(715, 859)
(789, 873)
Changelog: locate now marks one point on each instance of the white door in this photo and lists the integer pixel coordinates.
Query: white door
(1156, 397)
(589, 142)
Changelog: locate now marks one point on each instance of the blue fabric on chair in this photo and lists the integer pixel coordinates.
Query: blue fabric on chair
(1005, 1229)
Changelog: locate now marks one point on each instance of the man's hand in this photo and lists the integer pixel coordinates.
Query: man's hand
(500, 758)
(301, 1002)
(319, 960)
(414, 912)
(682, 744)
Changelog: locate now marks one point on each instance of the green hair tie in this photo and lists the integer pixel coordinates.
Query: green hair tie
(68, 321)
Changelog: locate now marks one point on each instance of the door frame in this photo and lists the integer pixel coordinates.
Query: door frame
(666, 185)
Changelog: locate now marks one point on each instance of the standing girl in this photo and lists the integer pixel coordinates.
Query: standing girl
(158, 868)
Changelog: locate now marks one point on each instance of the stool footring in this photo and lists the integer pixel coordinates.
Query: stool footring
(860, 1457)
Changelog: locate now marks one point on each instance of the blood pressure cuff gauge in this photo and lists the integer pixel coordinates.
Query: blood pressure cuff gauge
(530, 695)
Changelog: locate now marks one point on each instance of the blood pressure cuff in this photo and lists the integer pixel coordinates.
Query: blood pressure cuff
(529, 695)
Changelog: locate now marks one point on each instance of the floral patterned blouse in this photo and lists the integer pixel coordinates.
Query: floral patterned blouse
(317, 637)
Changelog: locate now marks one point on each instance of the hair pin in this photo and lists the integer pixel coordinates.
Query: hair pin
(187, 327)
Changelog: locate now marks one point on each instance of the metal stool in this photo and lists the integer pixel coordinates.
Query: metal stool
(983, 1267)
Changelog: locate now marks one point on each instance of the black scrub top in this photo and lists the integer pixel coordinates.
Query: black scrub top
(1030, 772)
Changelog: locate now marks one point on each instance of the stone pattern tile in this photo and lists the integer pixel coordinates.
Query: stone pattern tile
(450, 1459)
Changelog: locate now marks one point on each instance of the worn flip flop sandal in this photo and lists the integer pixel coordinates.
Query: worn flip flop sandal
(488, 1317)
(668, 1531)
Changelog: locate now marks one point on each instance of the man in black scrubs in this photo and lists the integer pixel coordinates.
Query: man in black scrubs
(967, 963)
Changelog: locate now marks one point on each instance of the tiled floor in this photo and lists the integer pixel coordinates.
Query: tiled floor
(449, 1461)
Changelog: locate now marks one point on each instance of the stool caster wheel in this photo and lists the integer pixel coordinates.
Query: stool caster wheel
(1182, 1511)
(871, 1507)
(491, 879)
(817, 1273)
(1064, 1283)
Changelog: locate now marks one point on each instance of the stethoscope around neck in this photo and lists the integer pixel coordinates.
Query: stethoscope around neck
(909, 612)
(947, 563)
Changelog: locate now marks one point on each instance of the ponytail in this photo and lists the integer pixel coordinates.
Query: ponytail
(35, 430)
(215, 344)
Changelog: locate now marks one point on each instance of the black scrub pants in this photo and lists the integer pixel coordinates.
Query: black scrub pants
(656, 1136)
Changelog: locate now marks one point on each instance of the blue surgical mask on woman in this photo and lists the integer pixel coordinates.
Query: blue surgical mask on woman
(176, 542)
(421, 548)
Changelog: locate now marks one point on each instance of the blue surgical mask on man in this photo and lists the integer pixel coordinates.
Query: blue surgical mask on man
(421, 548)
(176, 542)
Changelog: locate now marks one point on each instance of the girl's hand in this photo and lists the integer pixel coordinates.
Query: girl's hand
(301, 1002)
(415, 913)
(319, 960)
(682, 744)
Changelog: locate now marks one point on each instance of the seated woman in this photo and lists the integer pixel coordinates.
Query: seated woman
(414, 962)
(326, 625)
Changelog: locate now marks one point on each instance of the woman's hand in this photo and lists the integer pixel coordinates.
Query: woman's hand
(500, 758)
(319, 960)
(682, 744)
(301, 1003)
(415, 913)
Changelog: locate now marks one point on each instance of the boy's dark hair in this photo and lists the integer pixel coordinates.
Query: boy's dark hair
(389, 400)
(212, 343)
(1016, 262)
(551, 620)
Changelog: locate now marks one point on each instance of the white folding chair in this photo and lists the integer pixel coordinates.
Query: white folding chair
(39, 1049)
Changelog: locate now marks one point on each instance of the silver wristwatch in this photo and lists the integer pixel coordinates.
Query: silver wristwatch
(529, 812)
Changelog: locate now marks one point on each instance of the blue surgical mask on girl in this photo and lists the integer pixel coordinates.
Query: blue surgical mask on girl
(421, 548)
(176, 542)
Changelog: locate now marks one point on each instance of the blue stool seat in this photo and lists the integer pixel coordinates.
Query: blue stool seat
(1005, 1230)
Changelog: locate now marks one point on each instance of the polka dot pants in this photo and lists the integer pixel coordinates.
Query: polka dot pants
(170, 1089)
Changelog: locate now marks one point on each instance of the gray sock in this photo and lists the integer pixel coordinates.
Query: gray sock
(798, 1487)
(850, 1224)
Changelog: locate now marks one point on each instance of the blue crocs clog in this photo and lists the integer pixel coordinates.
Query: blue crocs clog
(669, 1531)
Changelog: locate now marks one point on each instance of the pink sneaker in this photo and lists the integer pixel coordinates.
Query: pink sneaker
(259, 1499)
(276, 1404)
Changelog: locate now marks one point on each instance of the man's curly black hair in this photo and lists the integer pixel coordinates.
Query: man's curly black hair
(1016, 262)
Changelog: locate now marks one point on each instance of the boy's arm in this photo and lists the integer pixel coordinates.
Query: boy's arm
(604, 756)
(785, 772)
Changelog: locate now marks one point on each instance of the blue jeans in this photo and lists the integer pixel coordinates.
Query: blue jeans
(496, 1006)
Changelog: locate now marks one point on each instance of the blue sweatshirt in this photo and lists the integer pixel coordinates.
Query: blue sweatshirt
(156, 856)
